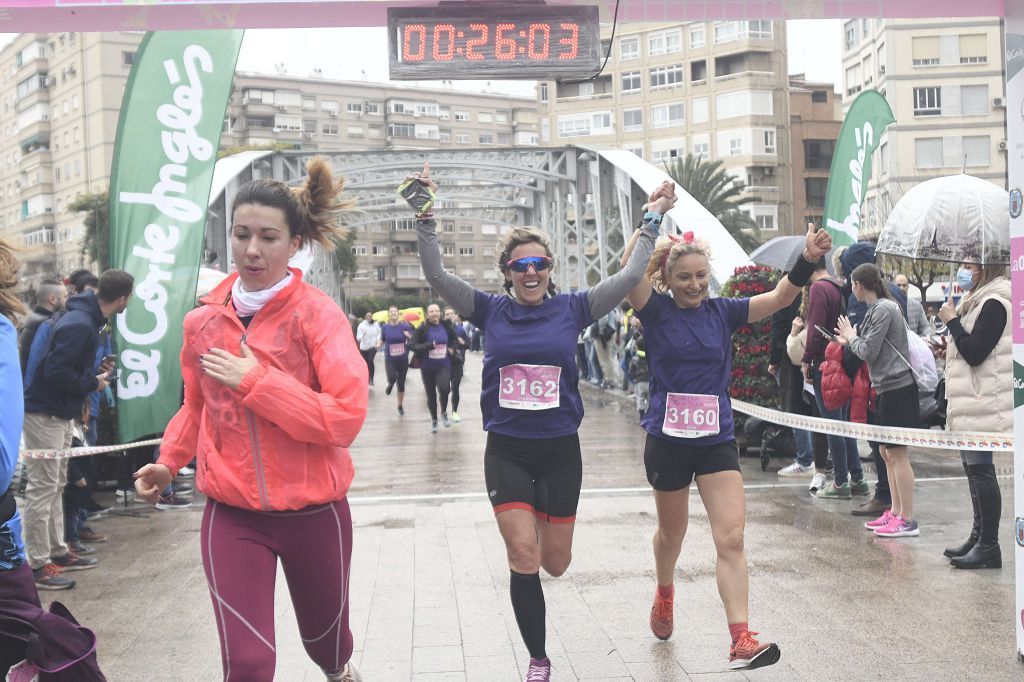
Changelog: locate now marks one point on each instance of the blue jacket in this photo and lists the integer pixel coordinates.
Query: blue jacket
(66, 373)
(11, 416)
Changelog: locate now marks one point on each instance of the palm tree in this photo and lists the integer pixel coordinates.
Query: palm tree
(96, 244)
(718, 192)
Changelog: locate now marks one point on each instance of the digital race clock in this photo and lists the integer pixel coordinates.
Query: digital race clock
(493, 41)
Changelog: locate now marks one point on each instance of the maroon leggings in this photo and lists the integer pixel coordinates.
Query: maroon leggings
(240, 552)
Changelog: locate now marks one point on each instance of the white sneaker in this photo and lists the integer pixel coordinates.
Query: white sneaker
(795, 469)
(186, 472)
(817, 483)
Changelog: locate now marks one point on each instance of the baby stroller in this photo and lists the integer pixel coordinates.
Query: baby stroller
(771, 439)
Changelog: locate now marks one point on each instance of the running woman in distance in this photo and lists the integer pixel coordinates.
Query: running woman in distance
(395, 335)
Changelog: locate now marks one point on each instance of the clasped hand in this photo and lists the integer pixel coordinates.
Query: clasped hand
(226, 368)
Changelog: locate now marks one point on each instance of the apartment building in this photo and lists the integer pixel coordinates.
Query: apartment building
(716, 89)
(815, 112)
(60, 94)
(943, 79)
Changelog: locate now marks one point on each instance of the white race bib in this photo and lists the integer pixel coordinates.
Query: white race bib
(690, 415)
(529, 387)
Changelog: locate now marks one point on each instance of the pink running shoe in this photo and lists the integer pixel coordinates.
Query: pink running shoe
(539, 670)
(884, 520)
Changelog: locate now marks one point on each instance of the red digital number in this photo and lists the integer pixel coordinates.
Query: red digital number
(504, 48)
(534, 49)
(477, 42)
(440, 56)
(420, 31)
(572, 42)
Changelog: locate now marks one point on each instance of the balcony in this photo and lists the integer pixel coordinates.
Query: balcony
(35, 155)
(411, 283)
(762, 78)
(32, 98)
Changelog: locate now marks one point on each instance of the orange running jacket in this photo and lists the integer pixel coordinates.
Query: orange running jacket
(280, 440)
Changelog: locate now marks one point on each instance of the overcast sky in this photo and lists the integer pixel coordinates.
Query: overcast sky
(361, 53)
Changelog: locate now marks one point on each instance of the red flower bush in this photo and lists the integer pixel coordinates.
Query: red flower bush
(750, 343)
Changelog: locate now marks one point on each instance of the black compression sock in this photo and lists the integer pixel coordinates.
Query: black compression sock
(528, 605)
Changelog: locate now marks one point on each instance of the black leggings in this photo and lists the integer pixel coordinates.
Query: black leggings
(396, 371)
(436, 382)
(456, 381)
(368, 356)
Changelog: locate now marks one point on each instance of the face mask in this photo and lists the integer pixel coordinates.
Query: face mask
(965, 278)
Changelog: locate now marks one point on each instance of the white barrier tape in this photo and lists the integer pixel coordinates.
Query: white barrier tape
(922, 438)
(85, 452)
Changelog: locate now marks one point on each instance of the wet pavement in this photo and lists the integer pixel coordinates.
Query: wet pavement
(429, 585)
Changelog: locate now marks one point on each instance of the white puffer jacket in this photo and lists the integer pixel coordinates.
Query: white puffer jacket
(981, 398)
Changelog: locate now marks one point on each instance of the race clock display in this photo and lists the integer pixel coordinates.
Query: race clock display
(493, 42)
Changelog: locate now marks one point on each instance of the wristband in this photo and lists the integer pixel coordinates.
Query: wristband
(801, 272)
(653, 217)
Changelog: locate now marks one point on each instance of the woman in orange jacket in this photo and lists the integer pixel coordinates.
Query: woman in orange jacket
(274, 395)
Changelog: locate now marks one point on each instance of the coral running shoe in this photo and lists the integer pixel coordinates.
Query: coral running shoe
(747, 653)
(539, 670)
(661, 616)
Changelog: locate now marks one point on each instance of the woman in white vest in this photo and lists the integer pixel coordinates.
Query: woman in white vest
(978, 371)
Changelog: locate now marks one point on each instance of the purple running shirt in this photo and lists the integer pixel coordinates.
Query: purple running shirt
(529, 361)
(393, 335)
(689, 351)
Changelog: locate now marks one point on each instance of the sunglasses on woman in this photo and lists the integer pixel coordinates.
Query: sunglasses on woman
(523, 264)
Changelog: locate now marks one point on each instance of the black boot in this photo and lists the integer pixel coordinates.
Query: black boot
(960, 550)
(985, 554)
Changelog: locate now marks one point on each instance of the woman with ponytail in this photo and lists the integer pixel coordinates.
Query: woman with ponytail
(275, 392)
(689, 421)
(880, 340)
(530, 401)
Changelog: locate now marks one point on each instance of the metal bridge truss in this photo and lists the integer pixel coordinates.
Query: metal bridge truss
(585, 203)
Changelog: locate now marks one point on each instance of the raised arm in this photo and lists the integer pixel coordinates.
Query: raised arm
(661, 200)
(609, 292)
(785, 292)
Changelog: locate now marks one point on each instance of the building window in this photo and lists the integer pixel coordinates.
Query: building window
(358, 250)
(445, 137)
(667, 76)
(883, 157)
(765, 222)
(371, 108)
(735, 146)
(661, 156)
(925, 51)
(401, 130)
(664, 42)
(697, 38)
(461, 138)
(465, 228)
(444, 114)
(978, 150)
(973, 100)
(586, 89)
(699, 109)
(486, 117)
(973, 49)
(769, 141)
(629, 48)
(543, 92)
(309, 103)
(928, 101)
(465, 250)
(819, 96)
(354, 107)
(636, 150)
(329, 128)
(461, 115)
(486, 138)
(850, 29)
(818, 154)
(701, 150)
(632, 120)
(505, 139)
(743, 103)
(581, 125)
(815, 189)
(928, 152)
(665, 115)
(127, 58)
(448, 250)
(631, 82)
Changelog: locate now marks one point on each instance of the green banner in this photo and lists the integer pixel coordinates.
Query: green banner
(167, 139)
(848, 178)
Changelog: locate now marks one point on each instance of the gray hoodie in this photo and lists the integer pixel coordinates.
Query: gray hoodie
(884, 321)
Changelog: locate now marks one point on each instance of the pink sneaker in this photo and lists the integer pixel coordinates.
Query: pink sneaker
(884, 520)
(894, 522)
(539, 671)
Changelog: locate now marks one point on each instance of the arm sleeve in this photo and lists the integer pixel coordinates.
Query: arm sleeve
(456, 292)
(332, 416)
(58, 364)
(872, 333)
(13, 413)
(182, 433)
(609, 292)
(817, 310)
(918, 320)
(977, 344)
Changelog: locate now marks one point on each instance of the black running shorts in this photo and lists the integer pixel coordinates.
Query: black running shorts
(672, 466)
(541, 475)
(899, 407)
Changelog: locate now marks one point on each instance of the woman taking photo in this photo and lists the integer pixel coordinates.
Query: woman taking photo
(881, 342)
(395, 335)
(978, 371)
(434, 343)
(275, 392)
(689, 422)
(530, 401)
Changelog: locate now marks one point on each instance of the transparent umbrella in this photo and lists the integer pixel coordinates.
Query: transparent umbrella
(950, 219)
